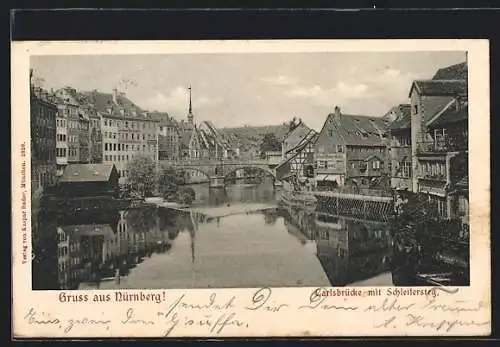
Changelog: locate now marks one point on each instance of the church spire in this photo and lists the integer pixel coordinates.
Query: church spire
(190, 114)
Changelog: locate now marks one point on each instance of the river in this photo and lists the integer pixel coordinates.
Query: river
(156, 247)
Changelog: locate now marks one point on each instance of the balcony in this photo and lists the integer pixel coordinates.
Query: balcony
(443, 145)
(432, 177)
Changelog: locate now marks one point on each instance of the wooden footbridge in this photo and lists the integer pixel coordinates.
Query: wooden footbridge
(355, 205)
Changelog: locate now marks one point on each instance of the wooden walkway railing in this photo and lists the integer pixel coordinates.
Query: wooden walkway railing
(355, 205)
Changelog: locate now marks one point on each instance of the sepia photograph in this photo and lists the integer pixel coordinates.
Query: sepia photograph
(243, 170)
(279, 188)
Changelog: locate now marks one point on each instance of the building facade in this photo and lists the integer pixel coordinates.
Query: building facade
(439, 115)
(95, 137)
(69, 109)
(298, 161)
(294, 138)
(61, 143)
(43, 118)
(127, 130)
(351, 151)
(400, 147)
(84, 137)
(168, 137)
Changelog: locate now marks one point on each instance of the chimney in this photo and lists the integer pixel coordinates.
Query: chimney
(336, 114)
(115, 96)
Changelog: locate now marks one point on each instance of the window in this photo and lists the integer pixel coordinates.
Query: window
(415, 109)
(330, 132)
(441, 208)
(405, 169)
(340, 149)
(114, 146)
(376, 165)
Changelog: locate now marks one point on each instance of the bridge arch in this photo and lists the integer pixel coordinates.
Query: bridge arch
(191, 169)
(260, 168)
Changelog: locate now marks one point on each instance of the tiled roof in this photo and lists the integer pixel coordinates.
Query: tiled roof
(87, 173)
(300, 128)
(163, 118)
(310, 136)
(440, 87)
(103, 101)
(433, 106)
(403, 120)
(359, 130)
(451, 115)
(453, 72)
(216, 134)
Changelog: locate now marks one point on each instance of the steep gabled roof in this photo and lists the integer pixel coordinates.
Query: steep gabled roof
(311, 136)
(451, 115)
(453, 72)
(217, 136)
(358, 130)
(440, 87)
(103, 101)
(163, 118)
(403, 120)
(87, 173)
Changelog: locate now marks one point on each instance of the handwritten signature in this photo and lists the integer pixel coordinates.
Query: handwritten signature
(421, 321)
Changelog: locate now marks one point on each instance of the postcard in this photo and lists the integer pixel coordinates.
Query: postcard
(273, 188)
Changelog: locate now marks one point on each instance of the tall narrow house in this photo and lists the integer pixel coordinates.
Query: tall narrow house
(439, 132)
(400, 147)
(351, 150)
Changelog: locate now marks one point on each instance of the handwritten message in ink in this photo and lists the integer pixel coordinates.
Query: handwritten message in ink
(215, 314)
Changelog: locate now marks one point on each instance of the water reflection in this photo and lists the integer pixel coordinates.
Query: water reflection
(233, 193)
(161, 248)
(349, 250)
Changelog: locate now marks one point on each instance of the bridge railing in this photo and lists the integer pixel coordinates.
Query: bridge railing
(193, 162)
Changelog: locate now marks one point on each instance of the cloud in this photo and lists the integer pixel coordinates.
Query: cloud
(340, 93)
(349, 91)
(177, 101)
(281, 80)
(390, 72)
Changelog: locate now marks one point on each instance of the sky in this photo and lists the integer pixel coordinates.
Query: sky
(251, 88)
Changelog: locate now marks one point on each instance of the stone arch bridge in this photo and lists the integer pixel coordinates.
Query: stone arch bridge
(218, 170)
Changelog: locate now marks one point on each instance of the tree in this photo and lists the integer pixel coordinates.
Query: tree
(269, 143)
(186, 195)
(293, 123)
(169, 182)
(142, 175)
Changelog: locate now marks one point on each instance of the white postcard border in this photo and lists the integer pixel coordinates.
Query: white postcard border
(285, 313)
